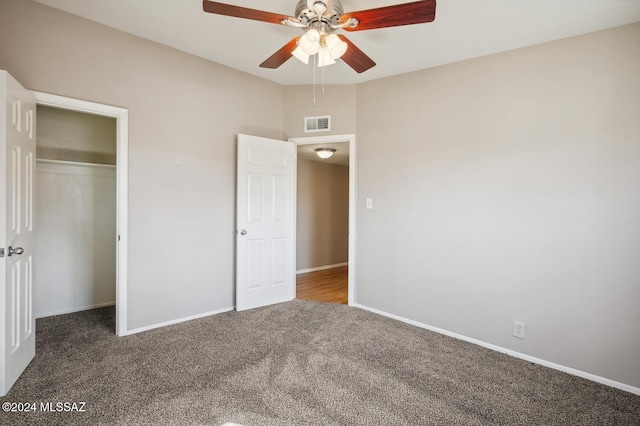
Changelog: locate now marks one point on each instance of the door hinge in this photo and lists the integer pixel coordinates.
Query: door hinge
(1, 252)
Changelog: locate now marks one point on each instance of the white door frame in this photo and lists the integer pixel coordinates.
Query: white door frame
(328, 139)
(122, 166)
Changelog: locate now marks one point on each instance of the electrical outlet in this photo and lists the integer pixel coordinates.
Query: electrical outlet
(518, 329)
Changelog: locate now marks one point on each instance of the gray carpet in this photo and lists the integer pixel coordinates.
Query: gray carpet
(296, 363)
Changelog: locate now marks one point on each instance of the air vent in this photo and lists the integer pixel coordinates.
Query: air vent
(317, 124)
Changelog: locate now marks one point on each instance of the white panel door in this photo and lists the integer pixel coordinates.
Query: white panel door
(265, 272)
(18, 145)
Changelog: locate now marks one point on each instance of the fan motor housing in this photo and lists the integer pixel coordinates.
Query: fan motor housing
(306, 13)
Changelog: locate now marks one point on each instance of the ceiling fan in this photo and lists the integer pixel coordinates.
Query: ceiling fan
(320, 19)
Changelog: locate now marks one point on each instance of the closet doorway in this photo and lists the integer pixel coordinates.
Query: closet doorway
(75, 213)
(80, 215)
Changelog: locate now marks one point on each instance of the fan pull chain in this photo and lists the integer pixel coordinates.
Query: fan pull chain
(314, 81)
(322, 91)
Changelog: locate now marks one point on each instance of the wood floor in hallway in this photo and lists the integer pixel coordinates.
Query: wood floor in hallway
(329, 285)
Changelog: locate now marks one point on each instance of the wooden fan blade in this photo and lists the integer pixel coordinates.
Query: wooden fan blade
(393, 16)
(281, 56)
(355, 57)
(241, 12)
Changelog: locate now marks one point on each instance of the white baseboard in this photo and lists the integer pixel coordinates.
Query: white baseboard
(321, 268)
(177, 321)
(565, 369)
(72, 310)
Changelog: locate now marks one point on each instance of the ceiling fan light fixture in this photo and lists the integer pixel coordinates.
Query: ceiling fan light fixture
(336, 47)
(310, 42)
(320, 18)
(301, 55)
(324, 153)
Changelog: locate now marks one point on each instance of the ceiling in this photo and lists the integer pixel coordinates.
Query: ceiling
(463, 29)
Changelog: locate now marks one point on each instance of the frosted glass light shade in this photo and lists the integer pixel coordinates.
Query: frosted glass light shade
(310, 42)
(336, 47)
(300, 54)
(324, 57)
(324, 152)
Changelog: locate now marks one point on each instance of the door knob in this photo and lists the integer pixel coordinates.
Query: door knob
(243, 232)
(17, 250)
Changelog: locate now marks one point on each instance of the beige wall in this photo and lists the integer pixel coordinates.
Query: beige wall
(339, 102)
(322, 225)
(75, 136)
(184, 115)
(508, 188)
